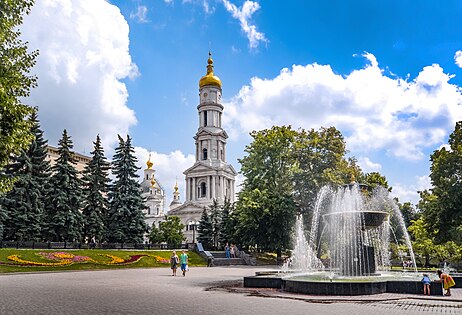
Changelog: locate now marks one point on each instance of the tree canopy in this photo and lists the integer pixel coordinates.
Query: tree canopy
(15, 85)
(441, 205)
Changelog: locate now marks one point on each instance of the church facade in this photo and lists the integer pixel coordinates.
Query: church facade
(211, 177)
(154, 194)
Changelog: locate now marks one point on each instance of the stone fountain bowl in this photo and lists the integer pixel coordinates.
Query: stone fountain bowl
(372, 219)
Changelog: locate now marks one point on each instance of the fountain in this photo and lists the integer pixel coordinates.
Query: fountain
(350, 230)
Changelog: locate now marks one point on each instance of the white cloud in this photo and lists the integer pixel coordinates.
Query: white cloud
(407, 193)
(368, 166)
(169, 168)
(84, 55)
(244, 14)
(141, 13)
(208, 8)
(458, 58)
(373, 111)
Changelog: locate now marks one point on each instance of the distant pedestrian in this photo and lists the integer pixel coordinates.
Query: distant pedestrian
(174, 263)
(227, 251)
(426, 284)
(447, 281)
(231, 251)
(184, 262)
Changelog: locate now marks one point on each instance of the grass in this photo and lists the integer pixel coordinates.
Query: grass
(98, 256)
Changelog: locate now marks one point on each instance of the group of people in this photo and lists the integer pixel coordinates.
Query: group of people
(444, 278)
(231, 251)
(182, 260)
(408, 264)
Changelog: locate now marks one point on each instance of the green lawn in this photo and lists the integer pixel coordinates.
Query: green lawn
(95, 259)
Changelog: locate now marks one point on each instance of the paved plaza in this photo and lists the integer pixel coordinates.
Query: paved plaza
(202, 291)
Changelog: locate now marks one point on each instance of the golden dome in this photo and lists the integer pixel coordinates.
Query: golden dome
(176, 187)
(149, 163)
(210, 78)
(153, 181)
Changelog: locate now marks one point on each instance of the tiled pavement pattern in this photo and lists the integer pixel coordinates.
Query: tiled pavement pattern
(428, 307)
(154, 291)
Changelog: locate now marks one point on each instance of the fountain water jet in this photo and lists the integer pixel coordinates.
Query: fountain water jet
(355, 228)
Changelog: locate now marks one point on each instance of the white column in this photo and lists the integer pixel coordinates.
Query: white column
(188, 182)
(222, 187)
(209, 191)
(194, 192)
(232, 190)
(214, 187)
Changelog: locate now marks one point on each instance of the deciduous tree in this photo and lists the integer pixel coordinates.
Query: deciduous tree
(15, 85)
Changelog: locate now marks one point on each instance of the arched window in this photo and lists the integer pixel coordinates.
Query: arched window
(204, 154)
(205, 118)
(203, 190)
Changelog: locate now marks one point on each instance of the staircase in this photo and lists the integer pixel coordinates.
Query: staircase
(219, 259)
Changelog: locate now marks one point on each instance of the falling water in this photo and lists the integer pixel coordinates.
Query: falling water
(358, 231)
(303, 257)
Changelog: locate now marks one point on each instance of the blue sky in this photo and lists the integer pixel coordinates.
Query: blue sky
(386, 73)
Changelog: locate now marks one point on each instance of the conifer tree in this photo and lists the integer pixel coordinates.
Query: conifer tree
(24, 204)
(125, 220)
(227, 223)
(205, 230)
(95, 189)
(63, 219)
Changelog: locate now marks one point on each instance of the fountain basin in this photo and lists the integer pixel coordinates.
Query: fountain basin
(317, 284)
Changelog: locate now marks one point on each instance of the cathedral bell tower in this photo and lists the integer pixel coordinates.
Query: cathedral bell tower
(211, 177)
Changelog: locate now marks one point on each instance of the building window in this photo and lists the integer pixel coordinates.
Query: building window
(205, 118)
(157, 211)
(203, 190)
(204, 154)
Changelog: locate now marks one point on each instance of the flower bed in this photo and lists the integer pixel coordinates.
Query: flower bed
(66, 259)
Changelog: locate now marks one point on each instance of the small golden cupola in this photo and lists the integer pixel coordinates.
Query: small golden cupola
(149, 164)
(210, 78)
(153, 181)
(176, 186)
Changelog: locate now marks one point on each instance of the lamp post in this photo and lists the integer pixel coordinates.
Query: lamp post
(193, 226)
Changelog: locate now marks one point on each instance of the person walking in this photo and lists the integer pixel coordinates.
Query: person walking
(184, 262)
(231, 251)
(174, 263)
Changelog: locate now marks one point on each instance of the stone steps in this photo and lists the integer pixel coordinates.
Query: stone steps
(228, 262)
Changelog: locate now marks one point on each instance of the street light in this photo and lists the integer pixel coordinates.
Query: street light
(193, 226)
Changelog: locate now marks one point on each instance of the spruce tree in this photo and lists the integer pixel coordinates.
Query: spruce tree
(205, 230)
(95, 189)
(227, 223)
(63, 219)
(125, 220)
(24, 204)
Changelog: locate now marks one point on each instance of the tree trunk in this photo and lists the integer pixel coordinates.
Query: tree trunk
(278, 257)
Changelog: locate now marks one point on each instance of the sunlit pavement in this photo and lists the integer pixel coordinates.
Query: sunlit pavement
(202, 291)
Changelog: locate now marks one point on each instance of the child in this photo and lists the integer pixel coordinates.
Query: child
(447, 281)
(426, 284)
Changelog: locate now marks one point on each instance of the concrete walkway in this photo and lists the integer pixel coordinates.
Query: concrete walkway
(202, 291)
